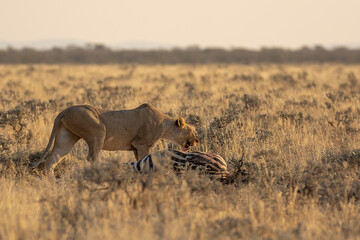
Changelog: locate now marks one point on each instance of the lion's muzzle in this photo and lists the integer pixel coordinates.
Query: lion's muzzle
(189, 144)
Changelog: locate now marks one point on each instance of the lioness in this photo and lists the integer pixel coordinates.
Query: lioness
(135, 130)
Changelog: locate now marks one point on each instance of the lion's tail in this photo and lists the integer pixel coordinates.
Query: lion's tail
(54, 131)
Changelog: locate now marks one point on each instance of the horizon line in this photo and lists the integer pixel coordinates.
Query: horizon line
(49, 43)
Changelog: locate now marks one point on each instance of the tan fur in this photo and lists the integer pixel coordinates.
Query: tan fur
(135, 130)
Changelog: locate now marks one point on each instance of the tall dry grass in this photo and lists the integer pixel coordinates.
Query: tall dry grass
(297, 125)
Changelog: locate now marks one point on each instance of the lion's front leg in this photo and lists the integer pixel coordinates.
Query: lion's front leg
(140, 151)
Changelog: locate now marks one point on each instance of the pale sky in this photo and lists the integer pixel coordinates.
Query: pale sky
(225, 23)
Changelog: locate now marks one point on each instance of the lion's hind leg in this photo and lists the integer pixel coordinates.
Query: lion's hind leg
(95, 146)
(95, 141)
(64, 142)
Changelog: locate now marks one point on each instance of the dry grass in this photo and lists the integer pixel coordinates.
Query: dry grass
(298, 125)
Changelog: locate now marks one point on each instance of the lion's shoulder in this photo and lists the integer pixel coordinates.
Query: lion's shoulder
(146, 105)
(149, 111)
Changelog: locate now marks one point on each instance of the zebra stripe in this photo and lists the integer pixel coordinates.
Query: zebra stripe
(151, 165)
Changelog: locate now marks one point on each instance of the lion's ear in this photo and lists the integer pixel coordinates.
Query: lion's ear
(180, 122)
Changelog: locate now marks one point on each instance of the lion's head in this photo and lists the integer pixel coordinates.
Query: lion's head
(184, 134)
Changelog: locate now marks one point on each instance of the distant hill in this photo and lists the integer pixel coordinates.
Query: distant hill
(63, 43)
(41, 44)
(46, 44)
(142, 45)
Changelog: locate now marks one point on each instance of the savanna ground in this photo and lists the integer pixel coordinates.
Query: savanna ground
(297, 126)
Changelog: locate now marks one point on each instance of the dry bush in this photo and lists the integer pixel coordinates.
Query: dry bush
(289, 134)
